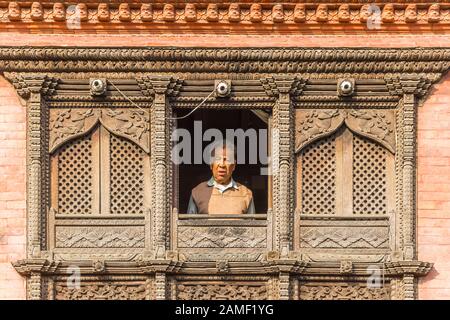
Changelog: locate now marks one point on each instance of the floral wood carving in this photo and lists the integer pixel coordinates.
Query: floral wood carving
(342, 291)
(221, 237)
(344, 237)
(102, 291)
(97, 237)
(71, 123)
(374, 124)
(222, 291)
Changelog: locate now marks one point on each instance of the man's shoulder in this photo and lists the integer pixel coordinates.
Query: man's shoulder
(200, 186)
(244, 189)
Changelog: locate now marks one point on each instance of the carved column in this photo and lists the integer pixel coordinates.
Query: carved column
(409, 178)
(34, 88)
(282, 160)
(34, 172)
(34, 286)
(160, 286)
(160, 165)
(410, 88)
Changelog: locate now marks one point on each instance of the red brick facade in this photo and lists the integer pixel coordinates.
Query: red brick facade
(12, 191)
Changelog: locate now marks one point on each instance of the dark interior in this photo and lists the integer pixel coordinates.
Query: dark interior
(248, 174)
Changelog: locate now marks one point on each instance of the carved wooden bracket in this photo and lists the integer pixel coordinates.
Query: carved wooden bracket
(378, 125)
(71, 123)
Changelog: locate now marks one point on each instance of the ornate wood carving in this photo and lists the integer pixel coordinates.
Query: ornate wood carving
(376, 62)
(213, 12)
(341, 291)
(221, 237)
(321, 250)
(375, 124)
(344, 237)
(221, 291)
(100, 237)
(105, 290)
(71, 123)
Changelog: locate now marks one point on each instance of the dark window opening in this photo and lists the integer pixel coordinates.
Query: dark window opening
(253, 176)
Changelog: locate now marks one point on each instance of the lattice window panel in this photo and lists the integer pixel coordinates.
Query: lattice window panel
(75, 177)
(127, 176)
(319, 177)
(369, 177)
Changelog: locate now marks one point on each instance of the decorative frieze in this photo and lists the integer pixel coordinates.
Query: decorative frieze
(211, 13)
(342, 291)
(221, 291)
(221, 237)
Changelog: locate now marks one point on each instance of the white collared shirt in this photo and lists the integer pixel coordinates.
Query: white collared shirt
(222, 188)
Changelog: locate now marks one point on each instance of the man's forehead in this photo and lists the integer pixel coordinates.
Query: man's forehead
(223, 150)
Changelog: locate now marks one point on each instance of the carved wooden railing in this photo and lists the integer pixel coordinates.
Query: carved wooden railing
(200, 235)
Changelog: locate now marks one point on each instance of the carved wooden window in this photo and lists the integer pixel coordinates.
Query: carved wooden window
(100, 179)
(345, 173)
(100, 174)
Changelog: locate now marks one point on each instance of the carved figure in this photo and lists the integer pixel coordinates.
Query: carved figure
(146, 12)
(36, 11)
(169, 12)
(190, 12)
(14, 11)
(212, 13)
(59, 12)
(124, 12)
(234, 13)
(255, 13)
(103, 12)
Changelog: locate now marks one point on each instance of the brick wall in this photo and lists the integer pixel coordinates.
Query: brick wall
(433, 140)
(434, 191)
(12, 191)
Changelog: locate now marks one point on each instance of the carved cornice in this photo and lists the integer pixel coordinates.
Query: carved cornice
(255, 14)
(416, 85)
(32, 84)
(241, 60)
(28, 266)
(276, 85)
(417, 268)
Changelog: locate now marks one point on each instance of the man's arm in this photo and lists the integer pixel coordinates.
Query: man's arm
(251, 207)
(192, 207)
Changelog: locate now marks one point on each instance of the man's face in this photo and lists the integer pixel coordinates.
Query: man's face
(223, 165)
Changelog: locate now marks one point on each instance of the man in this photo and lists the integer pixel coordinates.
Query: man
(221, 194)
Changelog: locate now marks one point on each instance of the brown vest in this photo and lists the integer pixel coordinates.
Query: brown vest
(209, 200)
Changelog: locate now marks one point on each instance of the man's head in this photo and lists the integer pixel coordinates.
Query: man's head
(223, 163)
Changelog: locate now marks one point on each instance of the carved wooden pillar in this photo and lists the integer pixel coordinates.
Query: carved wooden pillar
(160, 138)
(34, 286)
(408, 287)
(409, 88)
(282, 160)
(35, 88)
(284, 285)
(160, 286)
(34, 171)
(409, 178)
